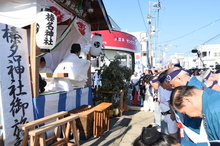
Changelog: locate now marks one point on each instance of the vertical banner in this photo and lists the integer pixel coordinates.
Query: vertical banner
(138, 64)
(15, 90)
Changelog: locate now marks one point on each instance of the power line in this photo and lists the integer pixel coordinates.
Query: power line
(191, 32)
(142, 15)
(212, 39)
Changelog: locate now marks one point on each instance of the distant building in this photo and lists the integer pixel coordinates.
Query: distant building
(210, 54)
(142, 38)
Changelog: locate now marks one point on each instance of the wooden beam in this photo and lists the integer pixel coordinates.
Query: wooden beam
(34, 61)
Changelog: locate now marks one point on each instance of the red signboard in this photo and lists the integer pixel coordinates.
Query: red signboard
(118, 40)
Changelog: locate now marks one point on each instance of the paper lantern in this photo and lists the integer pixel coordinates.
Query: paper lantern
(46, 29)
(96, 44)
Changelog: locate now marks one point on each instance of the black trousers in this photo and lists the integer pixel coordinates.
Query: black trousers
(133, 90)
(142, 91)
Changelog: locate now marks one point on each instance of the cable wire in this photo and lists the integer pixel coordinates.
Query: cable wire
(191, 32)
(142, 14)
(212, 39)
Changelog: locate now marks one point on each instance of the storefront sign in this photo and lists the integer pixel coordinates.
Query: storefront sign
(118, 40)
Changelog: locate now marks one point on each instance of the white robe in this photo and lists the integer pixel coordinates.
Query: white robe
(77, 72)
(45, 70)
(50, 81)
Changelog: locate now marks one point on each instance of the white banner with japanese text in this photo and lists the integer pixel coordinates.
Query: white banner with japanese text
(138, 64)
(15, 90)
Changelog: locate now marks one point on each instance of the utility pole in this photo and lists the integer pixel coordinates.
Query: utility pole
(149, 42)
(151, 32)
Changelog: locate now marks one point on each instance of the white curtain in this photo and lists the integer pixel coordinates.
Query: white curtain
(63, 50)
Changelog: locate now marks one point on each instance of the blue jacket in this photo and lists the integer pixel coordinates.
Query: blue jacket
(211, 112)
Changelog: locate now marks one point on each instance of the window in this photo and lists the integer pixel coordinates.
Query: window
(216, 54)
(204, 54)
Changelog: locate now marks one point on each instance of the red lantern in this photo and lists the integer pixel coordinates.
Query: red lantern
(46, 29)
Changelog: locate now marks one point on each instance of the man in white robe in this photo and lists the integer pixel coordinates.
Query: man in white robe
(75, 67)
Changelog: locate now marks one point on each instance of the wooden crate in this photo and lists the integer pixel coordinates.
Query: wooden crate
(84, 123)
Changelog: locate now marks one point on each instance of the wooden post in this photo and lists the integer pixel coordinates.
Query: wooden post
(89, 71)
(121, 104)
(34, 62)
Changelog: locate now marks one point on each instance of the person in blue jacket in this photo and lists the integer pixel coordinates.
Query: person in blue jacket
(177, 76)
(199, 103)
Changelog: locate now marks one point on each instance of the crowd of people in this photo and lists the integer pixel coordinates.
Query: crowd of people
(185, 103)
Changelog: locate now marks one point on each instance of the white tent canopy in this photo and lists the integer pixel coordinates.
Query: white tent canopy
(21, 13)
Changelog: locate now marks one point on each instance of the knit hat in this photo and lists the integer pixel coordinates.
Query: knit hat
(75, 48)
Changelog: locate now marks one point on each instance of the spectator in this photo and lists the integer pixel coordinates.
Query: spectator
(92, 80)
(97, 79)
(150, 90)
(210, 80)
(156, 72)
(196, 103)
(177, 76)
(205, 75)
(215, 77)
(142, 87)
(196, 73)
(148, 72)
(134, 82)
(212, 85)
(153, 102)
(164, 91)
(151, 137)
(217, 69)
(43, 68)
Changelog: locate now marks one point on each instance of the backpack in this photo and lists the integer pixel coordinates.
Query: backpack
(141, 81)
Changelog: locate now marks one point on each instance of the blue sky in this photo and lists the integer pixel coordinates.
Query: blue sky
(184, 24)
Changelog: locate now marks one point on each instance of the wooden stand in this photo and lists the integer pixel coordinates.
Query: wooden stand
(121, 102)
(85, 121)
(37, 136)
(31, 125)
(101, 119)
